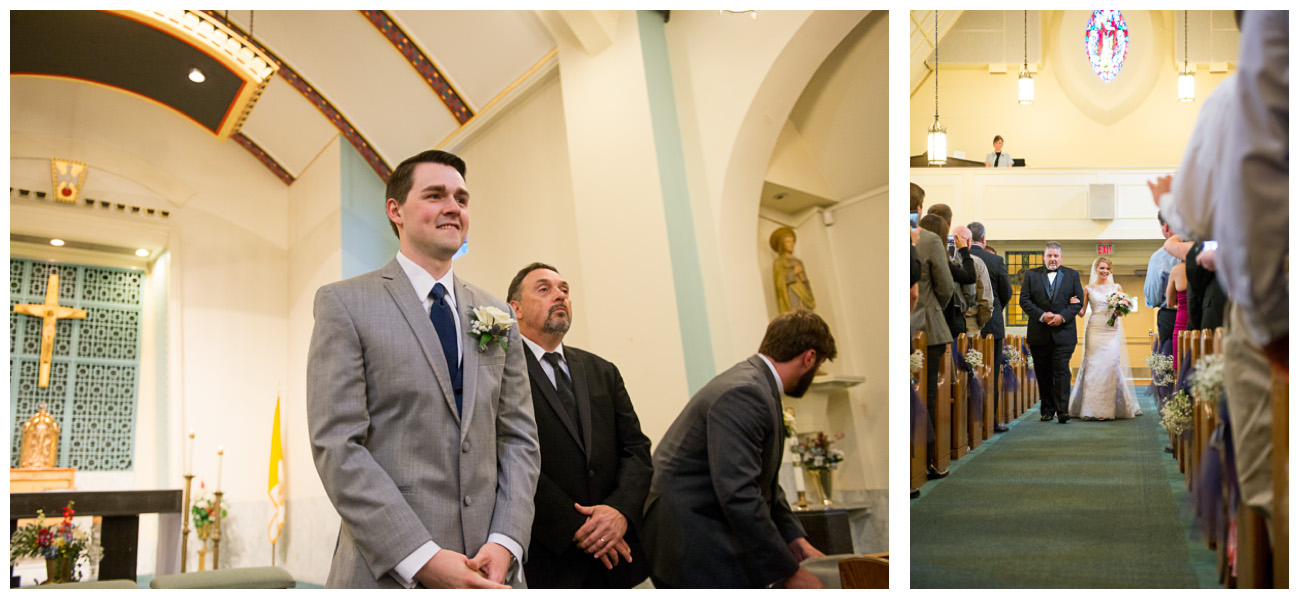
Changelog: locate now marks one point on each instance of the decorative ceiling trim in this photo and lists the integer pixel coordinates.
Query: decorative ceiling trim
(261, 155)
(422, 64)
(309, 92)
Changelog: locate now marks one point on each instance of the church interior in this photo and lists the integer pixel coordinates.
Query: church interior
(1091, 504)
(193, 177)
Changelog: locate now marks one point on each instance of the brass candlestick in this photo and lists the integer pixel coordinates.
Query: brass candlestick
(801, 503)
(185, 523)
(216, 533)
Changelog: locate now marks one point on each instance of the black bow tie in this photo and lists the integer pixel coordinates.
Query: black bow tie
(1052, 270)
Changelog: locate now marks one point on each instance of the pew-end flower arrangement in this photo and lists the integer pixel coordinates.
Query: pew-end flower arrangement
(62, 545)
(1176, 416)
(1012, 356)
(974, 358)
(918, 361)
(1162, 368)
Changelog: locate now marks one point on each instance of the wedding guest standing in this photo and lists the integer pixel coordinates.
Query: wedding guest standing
(1002, 296)
(1154, 287)
(997, 158)
(934, 291)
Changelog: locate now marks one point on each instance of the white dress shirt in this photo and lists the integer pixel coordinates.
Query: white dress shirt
(422, 282)
(780, 387)
(538, 352)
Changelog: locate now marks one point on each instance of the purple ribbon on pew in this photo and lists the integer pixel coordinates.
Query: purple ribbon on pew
(1010, 383)
(921, 415)
(1208, 495)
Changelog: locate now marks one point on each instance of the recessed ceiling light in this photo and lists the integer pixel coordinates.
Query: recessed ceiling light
(56, 242)
(197, 76)
(142, 252)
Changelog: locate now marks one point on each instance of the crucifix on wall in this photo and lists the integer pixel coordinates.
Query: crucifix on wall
(50, 313)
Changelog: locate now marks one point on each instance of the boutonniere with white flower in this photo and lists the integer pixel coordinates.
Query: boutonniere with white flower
(490, 324)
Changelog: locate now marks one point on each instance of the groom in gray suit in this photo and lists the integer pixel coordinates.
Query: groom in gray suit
(425, 442)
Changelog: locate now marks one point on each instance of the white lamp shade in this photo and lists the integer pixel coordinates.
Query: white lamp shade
(1187, 87)
(1026, 88)
(937, 144)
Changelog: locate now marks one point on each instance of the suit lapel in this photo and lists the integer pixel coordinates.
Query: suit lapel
(578, 373)
(540, 382)
(399, 288)
(469, 357)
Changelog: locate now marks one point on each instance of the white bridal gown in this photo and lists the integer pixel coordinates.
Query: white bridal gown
(1102, 389)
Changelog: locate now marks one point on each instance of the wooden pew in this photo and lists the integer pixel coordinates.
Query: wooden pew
(919, 430)
(865, 572)
(960, 406)
(990, 392)
(1281, 478)
(943, 412)
(1195, 347)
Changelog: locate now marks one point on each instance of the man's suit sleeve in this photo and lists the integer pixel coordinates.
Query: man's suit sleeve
(518, 449)
(376, 516)
(738, 424)
(1034, 313)
(634, 466)
(963, 271)
(1002, 283)
(1076, 290)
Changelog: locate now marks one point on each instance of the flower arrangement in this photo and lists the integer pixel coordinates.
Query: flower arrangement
(974, 358)
(815, 452)
(63, 544)
(1120, 305)
(1029, 361)
(1176, 416)
(918, 361)
(490, 324)
(1207, 378)
(788, 417)
(1162, 368)
(203, 512)
(1012, 356)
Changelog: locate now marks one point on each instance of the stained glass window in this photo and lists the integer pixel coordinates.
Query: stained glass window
(1017, 264)
(1106, 41)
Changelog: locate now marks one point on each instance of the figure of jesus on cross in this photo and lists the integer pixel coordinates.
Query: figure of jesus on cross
(50, 313)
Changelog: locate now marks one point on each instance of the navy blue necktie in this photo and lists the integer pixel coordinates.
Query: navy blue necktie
(444, 323)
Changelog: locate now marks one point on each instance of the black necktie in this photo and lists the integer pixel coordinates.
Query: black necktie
(996, 157)
(564, 389)
(444, 323)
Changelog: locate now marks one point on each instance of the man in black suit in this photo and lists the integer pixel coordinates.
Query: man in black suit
(716, 516)
(1050, 298)
(595, 460)
(997, 324)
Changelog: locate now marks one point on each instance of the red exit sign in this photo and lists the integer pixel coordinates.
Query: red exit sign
(1103, 249)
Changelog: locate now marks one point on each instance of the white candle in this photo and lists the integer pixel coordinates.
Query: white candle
(220, 451)
(798, 478)
(189, 461)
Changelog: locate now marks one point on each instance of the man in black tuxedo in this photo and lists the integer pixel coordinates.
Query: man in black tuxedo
(716, 516)
(595, 461)
(1050, 298)
(1002, 297)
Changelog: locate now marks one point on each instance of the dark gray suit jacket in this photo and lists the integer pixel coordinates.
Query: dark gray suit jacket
(1035, 300)
(716, 516)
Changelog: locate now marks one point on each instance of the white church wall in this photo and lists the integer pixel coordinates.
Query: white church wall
(619, 212)
(315, 259)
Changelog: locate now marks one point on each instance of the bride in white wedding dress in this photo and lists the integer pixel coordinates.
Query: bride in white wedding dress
(1103, 388)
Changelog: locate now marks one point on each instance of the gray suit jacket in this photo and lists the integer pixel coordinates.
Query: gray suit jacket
(400, 465)
(716, 516)
(933, 291)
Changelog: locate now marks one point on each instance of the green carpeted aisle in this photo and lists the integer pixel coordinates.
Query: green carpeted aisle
(1084, 505)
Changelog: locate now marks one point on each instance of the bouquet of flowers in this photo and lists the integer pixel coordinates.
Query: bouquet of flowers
(1120, 305)
(1176, 416)
(63, 543)
(918, 361)
(788, 417)
(204, 512)
(815, 453)
(1207, 378)
(1162, 368)
(974, 358)
(1012, 356)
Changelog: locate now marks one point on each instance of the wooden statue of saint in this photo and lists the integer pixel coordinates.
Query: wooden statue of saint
(793, 291)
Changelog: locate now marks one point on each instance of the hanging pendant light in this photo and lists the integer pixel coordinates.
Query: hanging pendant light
(1187, 76)
(937, 135)
(1026, 79)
